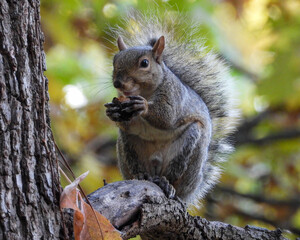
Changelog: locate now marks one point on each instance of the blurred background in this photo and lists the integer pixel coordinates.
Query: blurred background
(259, 39)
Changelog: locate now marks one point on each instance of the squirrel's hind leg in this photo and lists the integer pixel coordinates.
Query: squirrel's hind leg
(185, 169)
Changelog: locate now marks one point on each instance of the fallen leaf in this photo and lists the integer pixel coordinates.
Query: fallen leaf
(86, 225)
(78, 223)
(91, 227)
(69, 197)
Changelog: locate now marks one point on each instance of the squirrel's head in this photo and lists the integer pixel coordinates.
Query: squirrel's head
(138, 70)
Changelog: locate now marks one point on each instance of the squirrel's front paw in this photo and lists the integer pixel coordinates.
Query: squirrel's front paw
(113, 110)
(127, 108)
(136, 105)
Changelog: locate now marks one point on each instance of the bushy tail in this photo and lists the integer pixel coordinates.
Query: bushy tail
(186, 56)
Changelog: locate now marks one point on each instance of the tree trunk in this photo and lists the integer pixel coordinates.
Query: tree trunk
(29, 180)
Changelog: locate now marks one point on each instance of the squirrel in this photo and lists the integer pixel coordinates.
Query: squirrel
(176, 106)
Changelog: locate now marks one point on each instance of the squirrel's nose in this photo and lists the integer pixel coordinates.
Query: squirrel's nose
(117, 84)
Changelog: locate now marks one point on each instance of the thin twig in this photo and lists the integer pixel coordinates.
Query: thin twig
(65, 175)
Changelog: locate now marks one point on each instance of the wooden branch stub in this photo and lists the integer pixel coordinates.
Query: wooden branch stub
(120, 202)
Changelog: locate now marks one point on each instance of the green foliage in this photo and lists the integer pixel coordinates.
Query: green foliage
(259, 39)
(284, 73)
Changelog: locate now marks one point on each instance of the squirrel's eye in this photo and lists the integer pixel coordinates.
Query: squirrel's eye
(144, 63)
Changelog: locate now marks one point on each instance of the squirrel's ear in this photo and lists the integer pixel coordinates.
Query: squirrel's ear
(121, 44)
(158, 48)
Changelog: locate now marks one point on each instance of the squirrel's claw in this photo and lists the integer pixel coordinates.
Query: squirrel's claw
(108, 105)
(134, 108)
(137, 105)
(162, 182)
(115, 116)
(113, 109)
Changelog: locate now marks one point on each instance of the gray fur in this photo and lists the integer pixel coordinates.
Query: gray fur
(189, 108)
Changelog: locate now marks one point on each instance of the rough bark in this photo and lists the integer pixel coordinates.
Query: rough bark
(140, 207)
(29, 184)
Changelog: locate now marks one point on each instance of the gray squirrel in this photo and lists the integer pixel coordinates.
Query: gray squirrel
(176, 106)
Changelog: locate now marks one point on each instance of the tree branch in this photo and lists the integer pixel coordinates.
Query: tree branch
(251, 75)
(243, 135)
(140, 208)
(284, 222)
(285, 134)
(294, 202)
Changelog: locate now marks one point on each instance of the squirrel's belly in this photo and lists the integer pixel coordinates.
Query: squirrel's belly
(142, 128)
(153, 156)
(155, 147)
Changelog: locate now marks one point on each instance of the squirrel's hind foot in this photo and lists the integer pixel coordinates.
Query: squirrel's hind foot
(160, 181)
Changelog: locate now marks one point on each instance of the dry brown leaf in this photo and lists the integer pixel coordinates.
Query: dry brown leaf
(91, 227)
(69, 197)
(78, 222)
(86, 226)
